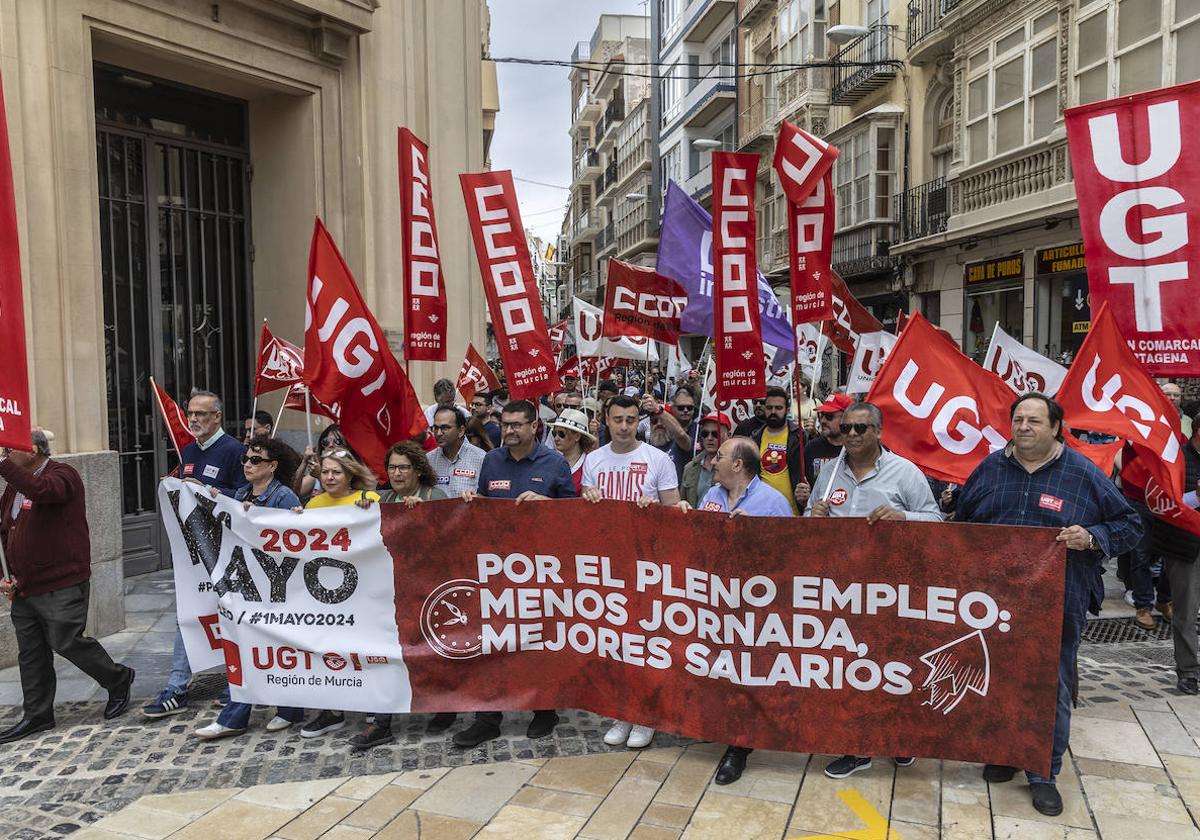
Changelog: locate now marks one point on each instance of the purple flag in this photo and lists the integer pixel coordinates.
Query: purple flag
(685, 255)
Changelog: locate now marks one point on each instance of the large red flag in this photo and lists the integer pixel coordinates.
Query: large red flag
(280, 363)
(424, 289)
(508, 279)
(476, 375)
(558, 336)
(850, 318)
(173, 418)
(1108, 390)
(295, 401)
(15, 427)
(1138, 194)
(804, 163)
(640, 301)
(737, 344)
(347, 360)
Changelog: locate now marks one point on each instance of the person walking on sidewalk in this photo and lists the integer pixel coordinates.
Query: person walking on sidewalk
(44, 530)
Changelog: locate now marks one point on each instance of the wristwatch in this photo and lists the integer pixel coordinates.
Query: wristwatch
(1092, 546)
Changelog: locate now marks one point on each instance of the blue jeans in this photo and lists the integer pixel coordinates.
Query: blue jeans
(181, 671)
(1075, 607)
(237, 715)
(1141, 578)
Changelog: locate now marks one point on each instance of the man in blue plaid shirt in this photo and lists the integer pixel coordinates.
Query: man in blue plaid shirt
(1037, 480)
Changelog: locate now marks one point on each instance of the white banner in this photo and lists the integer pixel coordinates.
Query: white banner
(1021, 368)
(869, 353)
(589, 340)
(306, 602)
(811, 343)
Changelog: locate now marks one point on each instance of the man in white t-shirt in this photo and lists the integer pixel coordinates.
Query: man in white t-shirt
(443, 396)
(629, 470)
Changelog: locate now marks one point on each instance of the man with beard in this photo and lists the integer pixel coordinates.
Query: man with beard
(781, 448)
(826, 446)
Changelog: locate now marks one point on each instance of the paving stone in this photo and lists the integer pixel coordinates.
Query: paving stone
(820, 809)
(595, 775)
(381, 808)
(916, 792)
(669, 816)
(517, 823)
(561, 801)
(1167, 733)
(1119, 770)
(293, 796)
(1125, 827)
(1011, 828)
(1013, 799)
(318, 819)
(1112, 740)
(688, 779)
(770, 783)
(139, 821)
(1135, 799)
(619, 813)
(475, 793)
(719, 817)
(645, 831)
(233, 820)
(346, 832)
(966, 814)
(418, 825)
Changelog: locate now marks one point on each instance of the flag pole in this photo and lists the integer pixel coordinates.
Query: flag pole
(308, 413)
(254, 399)
(282, 406)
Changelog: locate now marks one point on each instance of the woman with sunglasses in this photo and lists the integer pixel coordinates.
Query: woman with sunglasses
(411, 481)
(573, 439)
(269, 466)
(307, 481)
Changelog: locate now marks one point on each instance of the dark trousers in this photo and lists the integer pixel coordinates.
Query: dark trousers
(1185, 586)
(1146, 592)
(53, 623)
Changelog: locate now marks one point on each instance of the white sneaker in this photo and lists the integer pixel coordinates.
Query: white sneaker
(641, 736)
(278, 724)
(618, 734)
(215, 730)
(1129, 597)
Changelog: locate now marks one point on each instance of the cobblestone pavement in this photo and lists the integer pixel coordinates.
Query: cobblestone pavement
(1135, 771)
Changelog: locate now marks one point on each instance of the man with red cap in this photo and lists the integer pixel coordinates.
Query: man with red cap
(698, 474)
(826, 446)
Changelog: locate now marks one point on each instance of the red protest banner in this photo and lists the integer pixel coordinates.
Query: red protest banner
(558, 336)
(1108, 390)
(15, 427)
(737, 340)
(173, 418)
(347, 361)
(737, 645)
(1137, 190)
(804, 163)
(476, 375)
(280, 363)
(850, 318)
(638, 301)
(508, 279)
(424, 289)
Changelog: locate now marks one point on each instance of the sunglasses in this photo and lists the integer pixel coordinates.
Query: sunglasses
(711, 433)
(255, 459)
(559, 433)
(825, 415)
(857, 428)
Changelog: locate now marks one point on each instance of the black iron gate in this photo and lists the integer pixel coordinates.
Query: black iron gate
(176, 272)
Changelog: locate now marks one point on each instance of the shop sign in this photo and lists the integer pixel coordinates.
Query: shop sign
(1011, 267)
(1060, 259)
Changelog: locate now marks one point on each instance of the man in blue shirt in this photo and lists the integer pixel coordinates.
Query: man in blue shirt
(1037, 480)
(523, 470)
(214, 459)
(738, 491)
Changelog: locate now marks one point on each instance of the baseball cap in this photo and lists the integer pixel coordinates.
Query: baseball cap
(835, 403)
(718, 418)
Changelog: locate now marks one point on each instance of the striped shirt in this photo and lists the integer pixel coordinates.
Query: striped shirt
(462, 473)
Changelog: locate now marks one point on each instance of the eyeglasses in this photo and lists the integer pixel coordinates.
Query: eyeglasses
(515, 425)
(335, 453)
(255, 460)
(857, 428)
(444, 428)
(826, 415)
(399, 467)
(710, 433)
(685, 408)
(200, 413)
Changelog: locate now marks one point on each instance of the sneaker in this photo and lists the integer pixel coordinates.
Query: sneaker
(639, 737)
(372, 736)
(847, 766)
(1129, 597)
(618, 734)
(215, 730)
(477, 733)
(278, 724)
(168, 703)
(324, 723)
(904, 761)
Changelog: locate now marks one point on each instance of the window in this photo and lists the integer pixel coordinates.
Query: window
(1134, 45)
(670, 18)
(670, 167)
(669, 94)
(724, 54)
(1012, 89)
(865, 176)
(694, 72)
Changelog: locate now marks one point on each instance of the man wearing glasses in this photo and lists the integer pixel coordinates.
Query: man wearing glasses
(868, 480)
(826, 446)
(526, 471)
(481, 410)
(679, 423)
(215, 459)
(698, 475)
(456, 460)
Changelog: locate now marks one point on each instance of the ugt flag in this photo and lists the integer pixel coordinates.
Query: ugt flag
(280, 363)
(685, 255)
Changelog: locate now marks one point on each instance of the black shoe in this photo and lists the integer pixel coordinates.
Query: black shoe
(476, 734)
(24, 728)
(731, 766)
(324, 723)
(372, 735)
(543, 724)
(904, 761)
(1046, 799)
(997, 773)
(1188, 685)
(440, 722)
(118, 698)
(847, 766)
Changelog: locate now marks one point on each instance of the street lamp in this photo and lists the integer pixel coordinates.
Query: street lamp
(635, 196)
(704, 144)
(844, 33)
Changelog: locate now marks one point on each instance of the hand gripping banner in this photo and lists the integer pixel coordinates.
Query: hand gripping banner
(949, 631)
(738, 340)
(1138, 185)
(424, 286)
(804, 163)
(510, 284)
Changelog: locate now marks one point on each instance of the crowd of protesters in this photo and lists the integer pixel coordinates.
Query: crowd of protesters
(660, 445)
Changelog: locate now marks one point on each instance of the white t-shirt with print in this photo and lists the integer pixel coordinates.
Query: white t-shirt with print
(627, 477)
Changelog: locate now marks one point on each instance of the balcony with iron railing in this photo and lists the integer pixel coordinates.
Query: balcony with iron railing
(634, 235)
(587, 165)
(923, 210)
(606, 129)
(864, 65)
(865, 250)
(715, 91)
(607, 239)
(699, 184)
(587, 224)
(926, 38)
(756, 123)
(605, 184)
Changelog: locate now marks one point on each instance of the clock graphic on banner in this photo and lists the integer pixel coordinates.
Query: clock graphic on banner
(449, 619)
